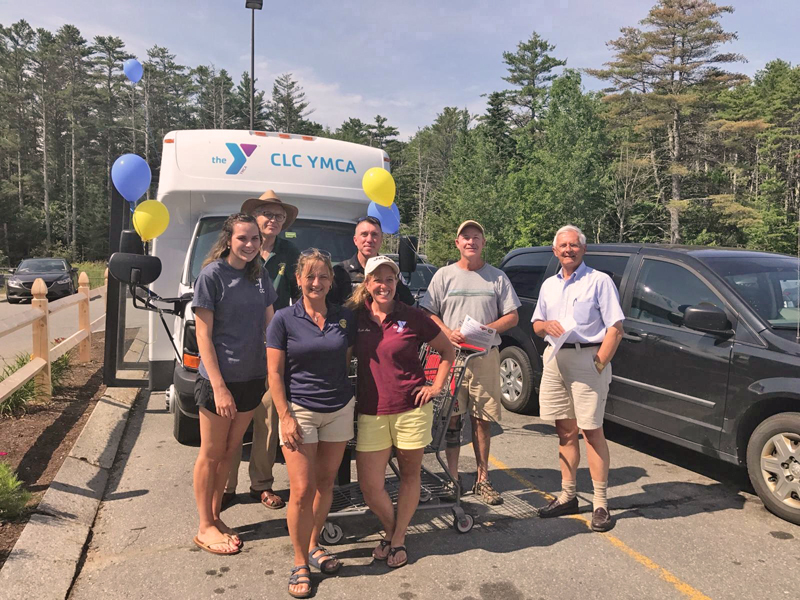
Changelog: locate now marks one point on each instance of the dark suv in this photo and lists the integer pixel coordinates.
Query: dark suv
(710, 357)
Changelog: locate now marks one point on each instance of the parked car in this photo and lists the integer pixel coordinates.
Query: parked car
(709, 360)
(57, 273)
(420, 279)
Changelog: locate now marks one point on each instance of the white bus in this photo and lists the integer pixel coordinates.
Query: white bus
(206, 176)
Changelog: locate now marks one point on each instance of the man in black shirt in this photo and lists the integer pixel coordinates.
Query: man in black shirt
(349, 273)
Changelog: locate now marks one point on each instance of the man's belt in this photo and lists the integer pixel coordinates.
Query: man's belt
(593, 344)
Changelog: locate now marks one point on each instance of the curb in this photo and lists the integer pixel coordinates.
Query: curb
(45, 558)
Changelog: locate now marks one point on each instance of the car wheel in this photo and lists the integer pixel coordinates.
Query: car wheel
(773, 463)
(14, 300)
(516, 380)
(185, 429)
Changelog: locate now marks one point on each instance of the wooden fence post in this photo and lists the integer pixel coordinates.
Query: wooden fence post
(105, 278)
(84, 322)
(41, 338)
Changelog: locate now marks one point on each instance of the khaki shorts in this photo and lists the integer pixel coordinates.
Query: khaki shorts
(410, 430)
(480, 388)
(324, 427)
(572, 388)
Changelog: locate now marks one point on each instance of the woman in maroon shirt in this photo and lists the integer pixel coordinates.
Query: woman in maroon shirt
(393, 400)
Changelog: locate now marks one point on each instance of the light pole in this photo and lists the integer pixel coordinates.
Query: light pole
(253, 5)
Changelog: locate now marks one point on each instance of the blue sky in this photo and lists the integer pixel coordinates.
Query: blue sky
(405, 60)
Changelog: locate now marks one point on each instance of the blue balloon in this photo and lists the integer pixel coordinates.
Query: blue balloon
(131, 176)
(389, 216)
(133, 69)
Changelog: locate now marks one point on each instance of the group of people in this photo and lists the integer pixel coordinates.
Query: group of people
(277, 329)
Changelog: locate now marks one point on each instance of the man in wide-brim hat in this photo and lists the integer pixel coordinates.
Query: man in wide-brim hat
(280, 260)
(269, 200)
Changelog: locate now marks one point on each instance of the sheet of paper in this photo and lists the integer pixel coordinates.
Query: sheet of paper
(568, 323)
(477, 333)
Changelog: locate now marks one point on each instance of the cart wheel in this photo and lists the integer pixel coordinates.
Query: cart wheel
(425, 494)
(331, 533)
(464, 524)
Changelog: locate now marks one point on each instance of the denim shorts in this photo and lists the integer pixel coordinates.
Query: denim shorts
(246, 394)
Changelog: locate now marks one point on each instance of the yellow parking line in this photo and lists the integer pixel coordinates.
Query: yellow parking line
(683, 587)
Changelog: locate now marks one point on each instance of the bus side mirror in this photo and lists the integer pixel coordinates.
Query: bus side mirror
(134, 268)
(407, 254)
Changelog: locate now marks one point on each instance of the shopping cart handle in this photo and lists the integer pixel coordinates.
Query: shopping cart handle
(471, 347)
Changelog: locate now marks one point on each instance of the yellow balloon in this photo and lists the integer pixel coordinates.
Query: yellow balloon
(150, 219)
(379, 186)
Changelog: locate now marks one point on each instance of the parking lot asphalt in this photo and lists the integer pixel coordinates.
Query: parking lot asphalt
(686, 527)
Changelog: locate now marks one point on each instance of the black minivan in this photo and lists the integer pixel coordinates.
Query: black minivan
(710, 357)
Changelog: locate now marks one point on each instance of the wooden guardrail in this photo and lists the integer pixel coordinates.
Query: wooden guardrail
(42, 355)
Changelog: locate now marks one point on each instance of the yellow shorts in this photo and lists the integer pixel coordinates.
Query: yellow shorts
(410, 430)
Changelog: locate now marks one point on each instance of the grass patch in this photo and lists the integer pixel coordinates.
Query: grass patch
(13, 497)
(17, 402)
(95, 270)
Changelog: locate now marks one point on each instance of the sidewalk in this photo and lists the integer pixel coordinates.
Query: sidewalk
(45, 558)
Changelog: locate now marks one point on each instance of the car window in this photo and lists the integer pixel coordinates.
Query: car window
(769, 283)
(664, 291)
(44, 265)
(526, 272)
(421, 278)
(612, 265)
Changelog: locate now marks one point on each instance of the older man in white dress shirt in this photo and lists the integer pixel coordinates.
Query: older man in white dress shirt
(582, 305)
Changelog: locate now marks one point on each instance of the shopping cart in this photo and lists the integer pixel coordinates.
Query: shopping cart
(439, 490)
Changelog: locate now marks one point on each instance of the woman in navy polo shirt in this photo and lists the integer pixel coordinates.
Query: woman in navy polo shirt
(308, 350)
(233, 367)
(393, 400)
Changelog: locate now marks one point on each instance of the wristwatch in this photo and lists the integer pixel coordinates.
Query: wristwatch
(598, 365)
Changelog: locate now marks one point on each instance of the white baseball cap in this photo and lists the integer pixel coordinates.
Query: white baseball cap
(376, 261)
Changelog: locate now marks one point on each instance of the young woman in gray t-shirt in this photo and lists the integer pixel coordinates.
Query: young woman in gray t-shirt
(233, 366)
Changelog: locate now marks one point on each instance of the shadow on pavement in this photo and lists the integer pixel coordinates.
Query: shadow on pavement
(725, 473)
(133, 428)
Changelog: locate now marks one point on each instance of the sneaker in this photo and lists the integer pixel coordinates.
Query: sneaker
(487, 493)
(554, 509)
(601, 520)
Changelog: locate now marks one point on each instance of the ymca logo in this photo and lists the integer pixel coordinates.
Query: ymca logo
(240, 153)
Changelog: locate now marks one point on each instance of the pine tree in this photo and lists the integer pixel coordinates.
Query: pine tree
(48, 76)
(75, 53)
(288, 107)
(674, 65)
(496, 124)
(379, 133)
(109, 53)
(240, 107)
(353, 130)
(530, 69)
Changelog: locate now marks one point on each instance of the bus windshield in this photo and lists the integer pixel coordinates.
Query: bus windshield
(336, 238)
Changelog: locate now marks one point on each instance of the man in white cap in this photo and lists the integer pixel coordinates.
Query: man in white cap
(280, 260)
(475, 288)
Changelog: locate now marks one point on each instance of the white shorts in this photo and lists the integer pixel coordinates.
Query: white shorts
(334, 426)
(572, 388)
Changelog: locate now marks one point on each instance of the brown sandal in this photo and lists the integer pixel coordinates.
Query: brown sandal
(268, 498)
(487, 493)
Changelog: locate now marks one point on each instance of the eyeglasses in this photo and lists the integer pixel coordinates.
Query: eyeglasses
(277, 217)
(315, 252)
